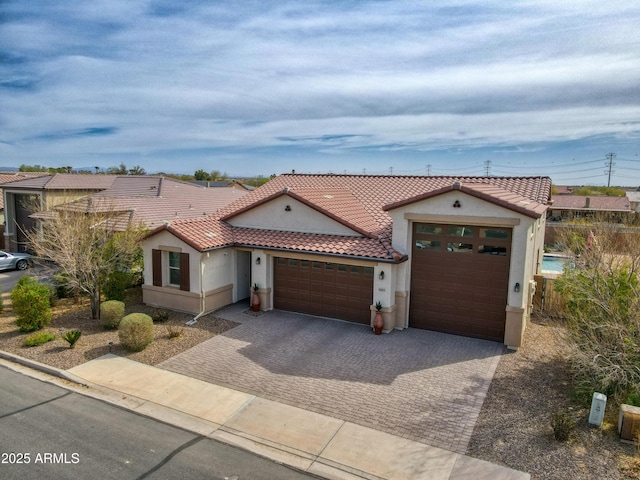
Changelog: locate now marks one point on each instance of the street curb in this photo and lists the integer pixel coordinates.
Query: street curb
(41, 367)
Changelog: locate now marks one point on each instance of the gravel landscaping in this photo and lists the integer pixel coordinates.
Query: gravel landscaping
(513, 428)
(68, 314)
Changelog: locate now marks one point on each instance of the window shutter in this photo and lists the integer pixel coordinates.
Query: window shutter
(185, 283)
(156, 267)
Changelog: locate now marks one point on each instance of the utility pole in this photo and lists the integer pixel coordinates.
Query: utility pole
(429, 170)
(609, 165)
(487, 167)
(390, 170)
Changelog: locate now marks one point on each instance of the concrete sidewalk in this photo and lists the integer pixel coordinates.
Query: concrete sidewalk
(309, 441)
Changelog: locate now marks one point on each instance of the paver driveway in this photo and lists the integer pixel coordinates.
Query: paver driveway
(417, 384)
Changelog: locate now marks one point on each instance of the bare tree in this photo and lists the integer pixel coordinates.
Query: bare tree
(86, 241)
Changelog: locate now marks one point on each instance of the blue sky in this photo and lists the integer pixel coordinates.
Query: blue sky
(535, 87)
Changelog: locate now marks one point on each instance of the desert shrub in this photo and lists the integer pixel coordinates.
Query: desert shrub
(111, 313)
(136, 332)
(38, 338)
(174, 331)
(25, 281)
(563, 424)
(31, 304)
(71, 337)
(633, 399)
(603, 324)
(115, 287)
(159, 315)
(63, 289)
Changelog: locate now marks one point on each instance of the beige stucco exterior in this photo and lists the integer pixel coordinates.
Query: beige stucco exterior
(214, 275)
(526, 248)
(274, 215)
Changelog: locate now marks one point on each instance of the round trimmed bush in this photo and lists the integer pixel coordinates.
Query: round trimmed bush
(135, 332)
(111, 312)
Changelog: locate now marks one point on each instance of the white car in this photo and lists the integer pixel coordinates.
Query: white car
(14, 261)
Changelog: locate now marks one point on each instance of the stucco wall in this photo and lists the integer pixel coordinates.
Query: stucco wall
(301, 218)
(527, 237)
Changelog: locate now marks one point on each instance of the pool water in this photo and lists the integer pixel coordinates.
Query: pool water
(552, 263)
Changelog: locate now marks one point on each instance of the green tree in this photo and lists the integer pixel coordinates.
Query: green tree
(121, 170)
(137, 170)
(201, 175)
(32, 168)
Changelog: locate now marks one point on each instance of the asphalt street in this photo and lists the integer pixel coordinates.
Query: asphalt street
(47, 432)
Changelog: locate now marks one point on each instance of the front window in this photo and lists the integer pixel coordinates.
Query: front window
(174, 268)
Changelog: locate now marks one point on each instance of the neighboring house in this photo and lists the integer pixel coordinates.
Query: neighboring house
(634, 200)
(570, 207)
(6, 177)
(577, 212)
(223, 184)
(152, 201)
(562, 190)
(451, 254)
(147, 200)
(23, 197)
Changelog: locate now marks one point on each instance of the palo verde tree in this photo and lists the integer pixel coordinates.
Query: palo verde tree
(87, 241)
(602, 305)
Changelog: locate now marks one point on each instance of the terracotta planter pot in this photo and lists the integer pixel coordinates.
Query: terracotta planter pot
(378, 323)
(255, 302)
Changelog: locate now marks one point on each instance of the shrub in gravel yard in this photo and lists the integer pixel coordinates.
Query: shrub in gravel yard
(31, 304)
(116, 285)
(563, 424)
(159, 315)
(111, 313)
(135, 332)
(38, 338)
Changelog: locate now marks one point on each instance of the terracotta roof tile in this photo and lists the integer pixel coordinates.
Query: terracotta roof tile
(65, 181)
(156, 200)
(357, 201)
(578, 202)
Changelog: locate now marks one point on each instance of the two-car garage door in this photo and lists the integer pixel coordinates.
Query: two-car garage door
(459, 282)
(459, 279)
(326, 289)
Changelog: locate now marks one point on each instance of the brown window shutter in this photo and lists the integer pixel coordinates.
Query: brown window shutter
(184, 272)
(156, 267)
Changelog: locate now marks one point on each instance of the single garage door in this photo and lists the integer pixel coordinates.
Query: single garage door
(459, 279)
(326, 289)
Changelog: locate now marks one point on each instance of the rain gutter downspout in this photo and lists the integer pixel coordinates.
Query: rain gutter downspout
(194, 320)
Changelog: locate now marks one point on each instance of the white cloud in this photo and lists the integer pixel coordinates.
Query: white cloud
(398, 76)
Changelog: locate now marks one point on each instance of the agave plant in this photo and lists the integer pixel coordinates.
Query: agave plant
(72, 337)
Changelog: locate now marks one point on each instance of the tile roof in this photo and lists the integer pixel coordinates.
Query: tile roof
(579, 202)
(485, 191)
(154, 201)
(6, 177)
(64, 181)
(357, 201)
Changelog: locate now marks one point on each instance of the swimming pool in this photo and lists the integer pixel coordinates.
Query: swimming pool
(553, 263)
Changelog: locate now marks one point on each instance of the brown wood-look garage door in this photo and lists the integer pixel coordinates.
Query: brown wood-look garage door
(326, 289)
(459, 279)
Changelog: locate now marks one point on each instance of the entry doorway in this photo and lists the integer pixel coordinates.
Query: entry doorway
(243, 274)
